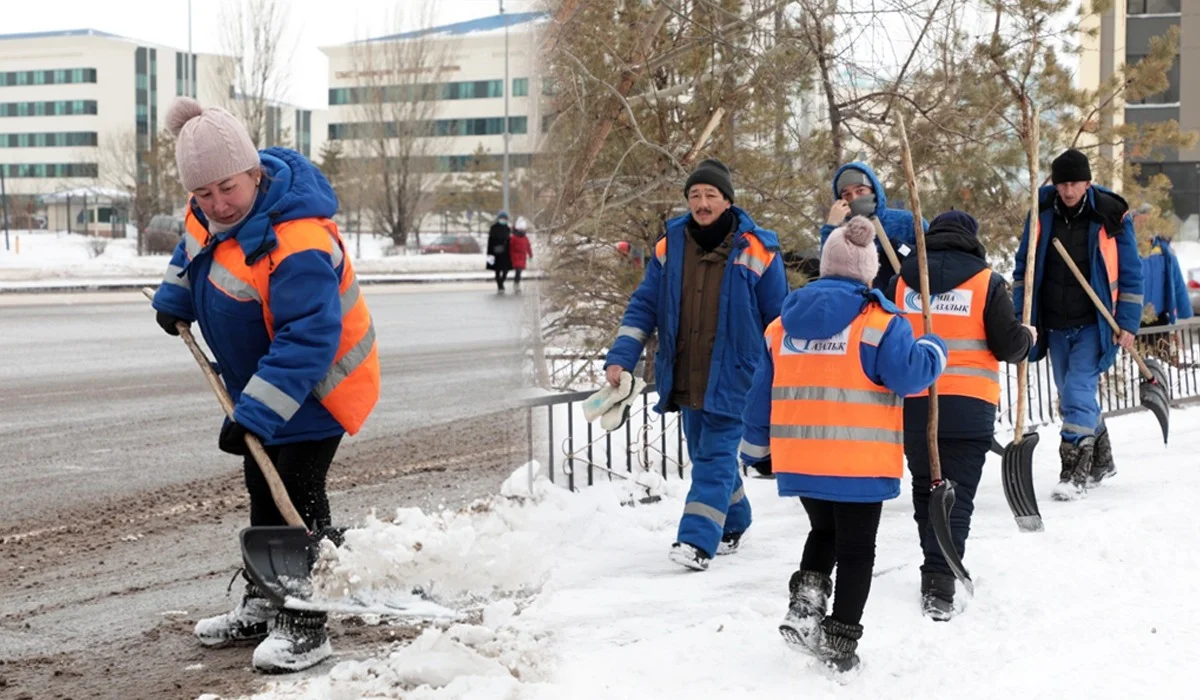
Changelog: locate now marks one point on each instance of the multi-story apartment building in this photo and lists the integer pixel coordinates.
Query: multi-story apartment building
(445, 84)
(1124, 37)
(73, 104)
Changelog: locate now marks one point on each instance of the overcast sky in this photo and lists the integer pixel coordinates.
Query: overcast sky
(313, 23)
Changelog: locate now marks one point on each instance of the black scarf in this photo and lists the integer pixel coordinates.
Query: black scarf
(711, 236)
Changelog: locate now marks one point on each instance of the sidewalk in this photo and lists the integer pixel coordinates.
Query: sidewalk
(117, 284)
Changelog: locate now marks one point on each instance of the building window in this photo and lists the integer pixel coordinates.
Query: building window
(1166, 97)
(520, 87)
(547, 121)
(34, 109)
(549, 87)
(518, 125)
(465, 90)
(55, 76)
(1153, 7)
(485, 126)
(50, 170)
(304, 132)
(48, 139)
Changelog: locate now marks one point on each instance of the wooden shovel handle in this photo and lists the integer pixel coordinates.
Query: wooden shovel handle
(1099, 304)
(1035, 225)
(278, 491)
(886, 243)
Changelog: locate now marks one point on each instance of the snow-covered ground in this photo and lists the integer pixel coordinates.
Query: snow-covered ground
(580, 600)
(45, 255)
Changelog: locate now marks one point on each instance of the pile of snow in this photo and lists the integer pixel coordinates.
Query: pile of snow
(1102, 604)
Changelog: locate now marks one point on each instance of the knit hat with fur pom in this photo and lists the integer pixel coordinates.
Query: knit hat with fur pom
(850, 251)
(210, 143)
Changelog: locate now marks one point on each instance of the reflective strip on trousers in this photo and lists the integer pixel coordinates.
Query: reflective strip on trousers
(227, 281)
(272, 397)
(1131, 298)
(872, 336)
(632, 332)
(344, 367)
(752, 450)
(737, 495)
(837, 432)
(350, 298)
(965, 344)
(173, 277)
(698, 508)
(972, 372)
(825, 393)
(1077, 429)
(751, 262)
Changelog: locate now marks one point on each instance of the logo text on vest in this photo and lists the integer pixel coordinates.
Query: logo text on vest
(956, 302)
(816, 346)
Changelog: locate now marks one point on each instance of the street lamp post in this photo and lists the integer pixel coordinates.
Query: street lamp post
(4, 205)
(506, 89)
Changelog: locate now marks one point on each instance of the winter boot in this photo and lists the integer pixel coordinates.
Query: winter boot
(245, 623)
(729, 543)
(297, 641)
(1102, 460)
(1076, 465)
(937, 596)
(809, 593)
(689, 556)
(837, 645)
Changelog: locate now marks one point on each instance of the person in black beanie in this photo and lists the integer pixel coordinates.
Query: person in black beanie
(971, 311)
(1096, 228)
(713, 270)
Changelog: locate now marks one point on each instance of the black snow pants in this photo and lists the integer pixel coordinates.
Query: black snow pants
(843, 534)
(302, 467)
(962, 463)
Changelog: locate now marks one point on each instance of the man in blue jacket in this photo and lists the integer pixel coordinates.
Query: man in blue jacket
(714, 283)
(1166, 289)
(858, 192)
(1096, 228)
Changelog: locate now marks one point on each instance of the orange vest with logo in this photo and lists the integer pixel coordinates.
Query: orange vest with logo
(827, 417)
(957, 315)
(350, 389)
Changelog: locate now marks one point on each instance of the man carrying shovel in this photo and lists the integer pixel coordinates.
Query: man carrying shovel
(1094, 226)
(972, 312)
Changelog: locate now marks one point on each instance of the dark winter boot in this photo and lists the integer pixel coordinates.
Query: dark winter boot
(937, 596)
(1102, 460)
(245, 623)
(808, 599)
(1076, 466)
(689, 556)
(297, 641)
(838, 643)
(730, 542)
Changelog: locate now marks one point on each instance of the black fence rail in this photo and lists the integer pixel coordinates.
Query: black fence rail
(577, 453)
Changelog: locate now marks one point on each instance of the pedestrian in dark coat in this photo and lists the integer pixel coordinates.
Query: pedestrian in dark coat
(973, 312)
(497, 250)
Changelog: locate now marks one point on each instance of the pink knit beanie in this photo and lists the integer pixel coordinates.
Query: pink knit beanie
(850, 251)
(211, 144)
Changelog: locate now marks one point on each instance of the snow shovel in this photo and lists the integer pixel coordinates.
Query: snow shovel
(279, 559)
(1016, 460)
(1153, 389)
(941, 495)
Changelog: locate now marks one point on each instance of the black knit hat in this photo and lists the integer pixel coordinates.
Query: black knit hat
(1071, 166)
(711, 172)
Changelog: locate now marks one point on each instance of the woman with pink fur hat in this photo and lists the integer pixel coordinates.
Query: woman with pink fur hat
(827, 408)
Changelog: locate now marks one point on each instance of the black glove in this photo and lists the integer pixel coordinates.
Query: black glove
(167, 321)
(233, 439)
(763, 467)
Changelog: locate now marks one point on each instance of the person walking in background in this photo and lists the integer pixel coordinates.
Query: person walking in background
(520, 250)
(264, 272)
(826, 407)
(716, 280)
(498, 258)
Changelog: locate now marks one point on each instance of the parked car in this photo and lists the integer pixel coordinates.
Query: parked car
(162, 234)
(1188, 255)
(452, 243)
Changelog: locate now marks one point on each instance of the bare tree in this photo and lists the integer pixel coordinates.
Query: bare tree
(149, 177)
(254, 83)
(398, 87)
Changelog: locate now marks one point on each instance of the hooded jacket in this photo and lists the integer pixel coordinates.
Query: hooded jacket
(896, 223)
(1166, 289)
(905, 365)
(749, 300)
(955, 255)
(304, 302)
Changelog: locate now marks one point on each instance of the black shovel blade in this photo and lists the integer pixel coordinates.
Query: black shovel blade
(941, 500)
(279, 560)
(1153, 394)
(1016, 474)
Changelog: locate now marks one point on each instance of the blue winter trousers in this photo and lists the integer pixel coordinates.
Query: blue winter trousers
(716, 503)
(1075, 358)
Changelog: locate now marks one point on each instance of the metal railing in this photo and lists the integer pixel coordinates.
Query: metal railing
(579, 453)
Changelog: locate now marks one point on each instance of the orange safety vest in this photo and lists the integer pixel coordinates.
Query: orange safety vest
(1108, 253)
(957, 315)
(350, 389)
(754, 256)
(827, 417)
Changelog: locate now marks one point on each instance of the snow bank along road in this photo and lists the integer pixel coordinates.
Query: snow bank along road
(116, 505)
